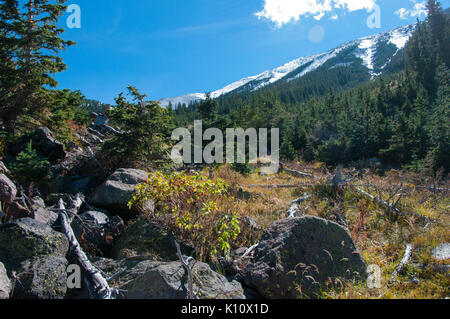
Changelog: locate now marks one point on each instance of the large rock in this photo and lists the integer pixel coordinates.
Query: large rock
(72, 184)
(8, 190)
(441, 252)
(45, 216)
(16, 210)
(5, 283)
(27, 238)
(43, 142)
(43, 277)
(47, 145)
(144, 238)
(297, 257)
(168, 280)
(115, 193)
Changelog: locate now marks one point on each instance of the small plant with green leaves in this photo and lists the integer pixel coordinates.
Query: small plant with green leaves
(29, 166)
(192, 207)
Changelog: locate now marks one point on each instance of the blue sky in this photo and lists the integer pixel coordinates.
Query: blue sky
(172, 47)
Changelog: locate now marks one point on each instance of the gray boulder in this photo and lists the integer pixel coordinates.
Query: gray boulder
(43, 277)
(144, 238)
(5, 283)
(168, 280)
(441, 252)
(45, 216)
(16, 210)
(37, 202)
(71, 184)
(297, 257)
(8, 190)
(45, 143)
(98, 218)
(117, 190)
(27, 238)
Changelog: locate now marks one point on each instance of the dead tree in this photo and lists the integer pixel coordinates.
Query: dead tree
(98, 286)
(293, 209)
(392, 208)
(405, 260)
(298, 173)
(188, 268)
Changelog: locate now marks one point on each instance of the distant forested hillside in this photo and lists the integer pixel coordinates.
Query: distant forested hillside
(342, 115)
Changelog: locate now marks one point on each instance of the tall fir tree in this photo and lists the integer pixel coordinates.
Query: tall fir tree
(30, 42)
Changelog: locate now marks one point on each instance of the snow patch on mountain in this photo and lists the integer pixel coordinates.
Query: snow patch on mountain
(399, 37)
(366, 49)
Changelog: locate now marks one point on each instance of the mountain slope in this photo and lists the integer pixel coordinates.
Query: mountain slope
(373, 53)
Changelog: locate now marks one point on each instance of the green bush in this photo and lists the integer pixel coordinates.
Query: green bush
(194, 208)
(29, 166)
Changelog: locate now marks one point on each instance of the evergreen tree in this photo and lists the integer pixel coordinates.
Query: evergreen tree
(145, 130)
(30, 42)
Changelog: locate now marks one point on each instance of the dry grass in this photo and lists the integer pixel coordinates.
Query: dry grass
(380, 238)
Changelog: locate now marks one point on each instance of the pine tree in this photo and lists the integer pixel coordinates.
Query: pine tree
(207, 110)
(145, 130)
(30, 42)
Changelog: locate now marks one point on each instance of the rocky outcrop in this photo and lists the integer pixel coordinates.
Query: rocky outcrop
(16, 210)
(144, 238)
(5, 283)
(8, 190)
(297, 257)
(42, 277)
(168, 280)
(117, 190)
(36, 254)
(45, 143)
(441, 252)
(27, 238)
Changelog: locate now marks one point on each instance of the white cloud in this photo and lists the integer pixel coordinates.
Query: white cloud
(418, 11)
(285, 11)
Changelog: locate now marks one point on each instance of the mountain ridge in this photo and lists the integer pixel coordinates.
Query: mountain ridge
(375, 53)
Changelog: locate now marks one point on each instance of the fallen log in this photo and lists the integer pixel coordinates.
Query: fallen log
(392, 208)
(292, 212)
(98, 286)
(185, 263)
(405, 260)
(249, 251)
(276, 186)
(298, 173)
(381, 202)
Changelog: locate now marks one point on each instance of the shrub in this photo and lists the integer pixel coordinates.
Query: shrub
(30, 166)
(192, 207)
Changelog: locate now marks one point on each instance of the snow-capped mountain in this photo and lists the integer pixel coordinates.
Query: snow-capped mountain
(374, 52)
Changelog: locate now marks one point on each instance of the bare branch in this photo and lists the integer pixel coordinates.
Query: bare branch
(97, 284)
(185, 263)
